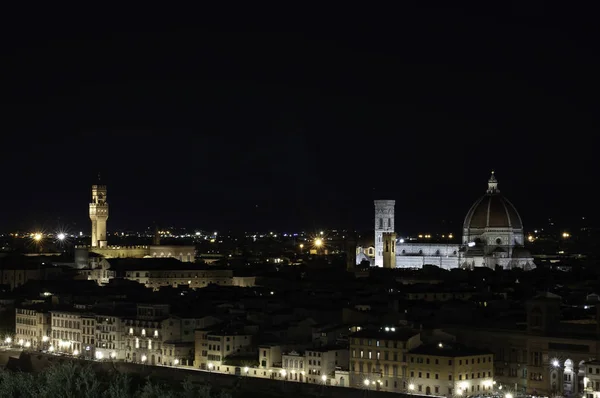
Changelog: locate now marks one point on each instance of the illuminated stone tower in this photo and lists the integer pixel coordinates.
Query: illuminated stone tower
(389, 250)
(384, 222)
(99, 215)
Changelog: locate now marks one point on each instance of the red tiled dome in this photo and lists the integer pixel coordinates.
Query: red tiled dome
(492, 210)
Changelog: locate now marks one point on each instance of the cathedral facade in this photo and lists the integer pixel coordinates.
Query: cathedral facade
(492, 237)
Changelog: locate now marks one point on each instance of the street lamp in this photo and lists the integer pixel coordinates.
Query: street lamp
(508, 395)
(8, 340)
(176, 362)
(318, 243)
(324, 378)
(411, 387)
(246, 370)
(367, 382)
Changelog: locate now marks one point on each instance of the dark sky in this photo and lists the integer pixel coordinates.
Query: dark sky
(298, 118)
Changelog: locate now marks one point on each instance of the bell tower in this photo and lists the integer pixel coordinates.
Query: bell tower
(99, 215)
(384, 222)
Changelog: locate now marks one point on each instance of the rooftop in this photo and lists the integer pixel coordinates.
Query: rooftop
(159, 263)
(391, 333)
(326, 348)
(448, 350)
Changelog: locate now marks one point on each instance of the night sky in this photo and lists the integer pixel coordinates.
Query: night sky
(298, 118)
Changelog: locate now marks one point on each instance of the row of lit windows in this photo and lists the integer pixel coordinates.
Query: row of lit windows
(143, 332)
(26, 321)
(369, 355)
(26, 332)
(460, 361)
(479, 375)
(379, 343)
(64, 323)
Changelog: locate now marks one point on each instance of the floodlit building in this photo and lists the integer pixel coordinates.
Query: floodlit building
(492, 237)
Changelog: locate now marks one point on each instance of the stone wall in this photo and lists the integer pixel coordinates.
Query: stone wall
(36, 362)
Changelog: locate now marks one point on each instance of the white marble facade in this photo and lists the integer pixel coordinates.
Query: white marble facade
(492, 237)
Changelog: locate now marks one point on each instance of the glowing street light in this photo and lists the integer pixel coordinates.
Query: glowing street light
(246, 369)
(508, 395)
(555, 363)
(176, 362)
(61, 236)
(144, 358)
(411, 387)
(75, 353)
(367, 382)
(8, 340)
(318, 242)
(324, 378)
(37, 236)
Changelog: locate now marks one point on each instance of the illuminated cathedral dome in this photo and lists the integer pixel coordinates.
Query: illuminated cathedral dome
(492, 210)
(493, 220)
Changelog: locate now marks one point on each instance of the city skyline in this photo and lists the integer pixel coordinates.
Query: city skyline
(232, 126)
(73, 226)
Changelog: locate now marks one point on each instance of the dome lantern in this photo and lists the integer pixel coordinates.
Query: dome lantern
(493, 184)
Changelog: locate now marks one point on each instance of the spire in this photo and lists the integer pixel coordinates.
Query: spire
(492, 184)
